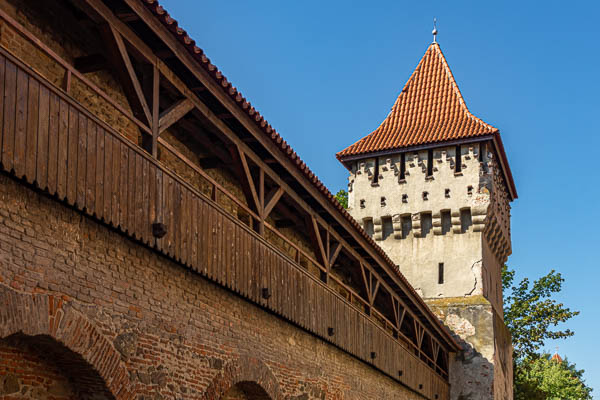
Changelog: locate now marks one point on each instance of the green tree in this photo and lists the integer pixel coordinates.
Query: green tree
(545, 379)
(342, 197)
(530, 312)
(532, 316)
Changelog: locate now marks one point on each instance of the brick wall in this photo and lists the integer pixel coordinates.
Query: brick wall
(24, 374)
(149, 326)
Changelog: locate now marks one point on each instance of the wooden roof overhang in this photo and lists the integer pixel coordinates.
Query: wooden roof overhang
(154, 35)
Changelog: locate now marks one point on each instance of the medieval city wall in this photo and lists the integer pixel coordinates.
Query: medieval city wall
(155, 328)
(79, 40)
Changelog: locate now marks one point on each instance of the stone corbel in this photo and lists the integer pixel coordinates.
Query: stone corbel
(470, 154)
(397, 226)
(479, 214)
(456, 225)
(416, 223)
(377, 229)
(437, 223)
(410, 160)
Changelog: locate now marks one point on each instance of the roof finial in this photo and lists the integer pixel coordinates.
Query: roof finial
(434, 32)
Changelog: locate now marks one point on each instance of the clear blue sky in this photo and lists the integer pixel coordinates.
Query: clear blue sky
(326, 73)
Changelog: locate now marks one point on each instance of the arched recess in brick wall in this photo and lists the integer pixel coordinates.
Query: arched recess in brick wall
(246, 391)
(48, 323)
(245, 375)
(40, 367)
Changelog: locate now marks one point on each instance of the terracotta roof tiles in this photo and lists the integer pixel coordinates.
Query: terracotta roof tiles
(429, 109)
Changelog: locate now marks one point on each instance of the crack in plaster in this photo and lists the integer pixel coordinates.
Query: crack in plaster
(475, 264)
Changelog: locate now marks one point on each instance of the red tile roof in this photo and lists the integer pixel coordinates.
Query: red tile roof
(429, 109)
(557, 358)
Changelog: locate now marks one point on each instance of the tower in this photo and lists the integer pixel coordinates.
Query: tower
(432, 185)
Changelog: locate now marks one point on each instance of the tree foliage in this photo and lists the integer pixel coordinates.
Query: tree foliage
(532, 316)
(342, 197)
(545, 379)
(530, 312)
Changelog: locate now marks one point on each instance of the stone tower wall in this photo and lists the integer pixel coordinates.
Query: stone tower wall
(423, 221)
(459, 218)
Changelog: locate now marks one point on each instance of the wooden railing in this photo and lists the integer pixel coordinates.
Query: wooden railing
(49, 139)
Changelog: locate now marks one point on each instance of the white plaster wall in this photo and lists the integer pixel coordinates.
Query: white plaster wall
(470, 299)
(419, 257)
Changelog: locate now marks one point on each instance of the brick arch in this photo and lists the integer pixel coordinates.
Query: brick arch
(243, 370)
(50, 317)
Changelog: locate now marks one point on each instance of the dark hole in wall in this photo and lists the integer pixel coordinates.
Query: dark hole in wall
(446, 221)
(403, 166)
(465, 219)
(387, 228)
(430, 162)
(376, 172)
(458, 167)
(426, 223)
(406, 223)
(369, 227)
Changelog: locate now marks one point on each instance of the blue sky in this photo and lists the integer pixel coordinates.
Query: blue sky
(325, 74)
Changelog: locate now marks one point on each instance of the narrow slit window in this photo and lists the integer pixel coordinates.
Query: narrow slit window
(403, 166)
(446, 221)
(440, 273)
(430, 162)
(376, 172)
(458, 167)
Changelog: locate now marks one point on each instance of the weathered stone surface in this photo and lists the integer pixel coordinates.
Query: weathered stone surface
(126, 344)
(10, 384)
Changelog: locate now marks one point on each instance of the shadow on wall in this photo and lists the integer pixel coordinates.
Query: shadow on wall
(246, 391)
(471, 374)
(40, 367)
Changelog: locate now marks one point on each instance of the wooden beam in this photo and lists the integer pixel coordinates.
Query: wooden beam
(315, 237)
(67, 80)
(375, 290)
(334, 254)
(155, 109)
(249, 180)
(173, 114)
(121, 63)
(272, 200)
(366, 280)
(261, 200)
(242, 171)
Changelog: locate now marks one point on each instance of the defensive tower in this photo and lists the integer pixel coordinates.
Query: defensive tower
(432, 185)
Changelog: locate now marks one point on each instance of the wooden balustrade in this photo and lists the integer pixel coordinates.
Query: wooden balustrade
(51, 140)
